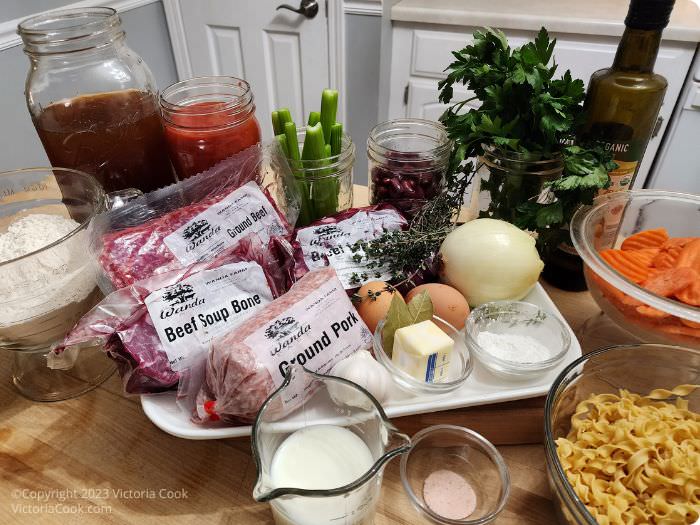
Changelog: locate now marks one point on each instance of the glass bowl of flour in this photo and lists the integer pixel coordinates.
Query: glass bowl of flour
(47, 277)
(515, 339)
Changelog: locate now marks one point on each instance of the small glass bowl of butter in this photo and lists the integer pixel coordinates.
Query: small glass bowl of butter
(427, 358)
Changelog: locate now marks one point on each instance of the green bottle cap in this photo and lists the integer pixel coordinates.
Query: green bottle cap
(649, 14)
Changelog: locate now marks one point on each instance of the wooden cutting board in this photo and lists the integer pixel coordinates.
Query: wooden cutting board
(512, 423)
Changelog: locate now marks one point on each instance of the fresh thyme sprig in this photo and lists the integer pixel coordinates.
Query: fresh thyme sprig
(406, 252)
(372, 295)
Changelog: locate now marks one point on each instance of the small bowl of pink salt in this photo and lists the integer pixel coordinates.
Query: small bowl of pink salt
(455, 476)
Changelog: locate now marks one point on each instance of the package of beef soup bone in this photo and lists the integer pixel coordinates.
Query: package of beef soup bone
(158, 330)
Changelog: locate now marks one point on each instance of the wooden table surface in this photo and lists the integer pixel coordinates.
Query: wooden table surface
(98, 459)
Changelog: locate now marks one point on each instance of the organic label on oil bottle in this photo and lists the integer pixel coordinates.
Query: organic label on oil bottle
(618, 139)
(627, 155)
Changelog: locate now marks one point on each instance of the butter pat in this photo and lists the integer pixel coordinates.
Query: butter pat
(423, 351)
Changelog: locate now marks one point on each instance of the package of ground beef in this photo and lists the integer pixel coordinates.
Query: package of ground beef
(314, 325)
(195, 220)
(329, 242)
(159, 328)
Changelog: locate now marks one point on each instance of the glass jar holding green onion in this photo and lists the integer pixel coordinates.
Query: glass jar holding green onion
(321, 156)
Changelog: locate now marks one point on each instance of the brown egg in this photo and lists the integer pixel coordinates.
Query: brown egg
(448, 303)
(373, 307)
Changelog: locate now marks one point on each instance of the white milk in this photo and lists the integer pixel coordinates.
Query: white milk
(323, 457)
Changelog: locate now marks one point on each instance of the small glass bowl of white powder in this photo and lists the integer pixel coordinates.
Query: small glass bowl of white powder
(515, 339)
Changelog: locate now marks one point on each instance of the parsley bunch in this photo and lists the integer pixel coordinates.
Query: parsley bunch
(524, 109)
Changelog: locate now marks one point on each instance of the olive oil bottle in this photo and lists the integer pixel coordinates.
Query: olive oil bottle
(622, 105)
(623, 101)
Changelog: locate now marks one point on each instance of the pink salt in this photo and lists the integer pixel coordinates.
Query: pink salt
(449, 495)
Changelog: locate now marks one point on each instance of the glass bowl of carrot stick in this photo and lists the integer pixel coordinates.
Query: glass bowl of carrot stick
(641, 254)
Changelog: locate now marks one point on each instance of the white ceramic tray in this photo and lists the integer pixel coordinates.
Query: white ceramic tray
(480, 388)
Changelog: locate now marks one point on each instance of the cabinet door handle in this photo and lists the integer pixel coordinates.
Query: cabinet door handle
(308, 8)
(657, 127)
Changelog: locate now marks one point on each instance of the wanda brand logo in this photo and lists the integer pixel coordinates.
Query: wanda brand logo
(326, 230)
(196, 230)
(178, 294)
(281, 328)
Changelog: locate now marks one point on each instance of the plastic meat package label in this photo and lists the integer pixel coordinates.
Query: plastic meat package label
(158, 330)
(314, 325)
(194, 220)
(329, 241)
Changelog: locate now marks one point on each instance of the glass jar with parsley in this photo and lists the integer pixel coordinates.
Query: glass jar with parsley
(507, 179)
(408, 159)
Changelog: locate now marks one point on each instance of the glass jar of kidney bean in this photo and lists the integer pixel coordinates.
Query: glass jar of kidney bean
(408, 159)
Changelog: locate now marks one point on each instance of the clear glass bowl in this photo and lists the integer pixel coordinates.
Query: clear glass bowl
(637, 368)
(465, 453)
(614, 217)
(461, 364)
(517, 318)
(36, 308)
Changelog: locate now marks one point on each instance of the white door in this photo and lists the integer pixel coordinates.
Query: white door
(282, 54)
(422, 100)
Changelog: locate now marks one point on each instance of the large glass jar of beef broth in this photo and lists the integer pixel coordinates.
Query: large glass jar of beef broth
(94, 102)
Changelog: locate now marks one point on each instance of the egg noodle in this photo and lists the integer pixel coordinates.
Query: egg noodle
(635, 459)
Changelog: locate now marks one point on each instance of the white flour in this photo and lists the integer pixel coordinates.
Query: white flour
(45, 282)
(33, 232)
(512, 347)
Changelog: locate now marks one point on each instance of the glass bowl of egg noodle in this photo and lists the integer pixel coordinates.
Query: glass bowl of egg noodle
(321, 457)
(620, 380)
(47, 278)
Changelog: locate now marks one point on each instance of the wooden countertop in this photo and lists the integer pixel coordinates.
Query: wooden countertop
(98, 460)
(593, 17)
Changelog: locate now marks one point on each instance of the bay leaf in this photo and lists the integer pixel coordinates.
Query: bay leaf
(420, 308)
(397, 317)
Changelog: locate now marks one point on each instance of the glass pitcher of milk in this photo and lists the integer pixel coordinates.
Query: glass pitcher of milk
(322, 463)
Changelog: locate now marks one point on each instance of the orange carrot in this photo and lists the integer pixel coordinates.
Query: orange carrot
(690, 256)
(645, 239)
(691, 293)
(621, 300)
(627, 263)
(666, 258)
(647, 255)
(652, 313)
(677, 242)
(679, 329)
(670, 282)
(690, 324)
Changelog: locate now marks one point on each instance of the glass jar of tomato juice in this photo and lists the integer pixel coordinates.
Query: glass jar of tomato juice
(207, 119)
